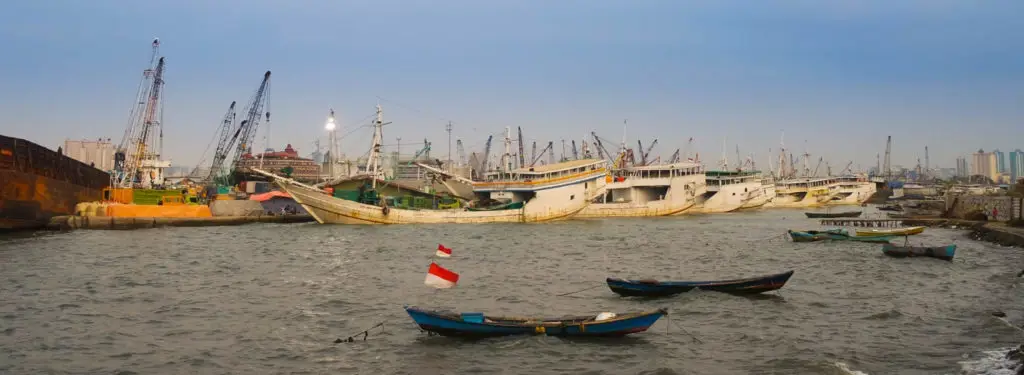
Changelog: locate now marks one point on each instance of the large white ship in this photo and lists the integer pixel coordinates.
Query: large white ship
(804, 192)
(651, 190)
(762, 197)
(852, 190)
(727, 191)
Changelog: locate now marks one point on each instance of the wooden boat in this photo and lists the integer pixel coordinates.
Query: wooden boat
(480, 325)
(547, 192)
(818, 215)
(908, 231)
(834, 234)
(942, 252)
(654, 288)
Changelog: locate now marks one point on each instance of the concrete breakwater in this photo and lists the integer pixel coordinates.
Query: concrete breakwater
(121, 223)
(998, 233)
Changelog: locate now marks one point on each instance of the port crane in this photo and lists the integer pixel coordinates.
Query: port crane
(253, 113)
(137, 159)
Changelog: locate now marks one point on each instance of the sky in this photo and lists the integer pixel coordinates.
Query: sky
(834, 77)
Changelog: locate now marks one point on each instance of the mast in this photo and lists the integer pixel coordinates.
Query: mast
(374, 160)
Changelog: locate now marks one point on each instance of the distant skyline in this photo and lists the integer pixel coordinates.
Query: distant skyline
(839, 75)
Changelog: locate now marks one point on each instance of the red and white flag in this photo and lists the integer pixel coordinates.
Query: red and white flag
(440, 278)
(443, 252)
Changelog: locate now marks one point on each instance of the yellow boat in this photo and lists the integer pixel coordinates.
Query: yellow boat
(890, 232)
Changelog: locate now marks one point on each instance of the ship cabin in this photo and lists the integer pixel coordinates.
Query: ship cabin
(717, 179)
(804, 184)
(520, 185)
(649, 182)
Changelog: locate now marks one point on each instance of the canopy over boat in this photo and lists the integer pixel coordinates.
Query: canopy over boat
(476, 324)
(654, 288)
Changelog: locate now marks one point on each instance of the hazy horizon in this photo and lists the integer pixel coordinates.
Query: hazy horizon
(835, 78)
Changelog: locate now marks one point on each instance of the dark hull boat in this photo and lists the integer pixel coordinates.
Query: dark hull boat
(834, 235)
(37, 184)
(828, 215)
(654, 288)
(942, 252)
(480, 325)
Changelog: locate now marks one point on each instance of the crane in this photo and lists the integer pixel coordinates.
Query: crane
(253, 112)
(522, 155)
(487, 155)
(223, 145)
(533, 153)
(139, 150)
(575, 154)
(461, 152)
(602, 152)
(546, 149)
(674, 158)
(647, 152)
(888, 149)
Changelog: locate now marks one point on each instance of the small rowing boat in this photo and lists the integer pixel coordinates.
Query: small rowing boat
(654, 288)
(908, 231)
(941, 252)
(475, 324)
(835, 235)
(826, 215)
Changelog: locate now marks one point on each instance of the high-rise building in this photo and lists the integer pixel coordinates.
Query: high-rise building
(1000, 161)
(961, 167)
(984, 163)
(1016, 165)
(98, 153)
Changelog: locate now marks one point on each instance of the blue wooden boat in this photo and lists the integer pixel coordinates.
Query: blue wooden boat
(479, 325)
(654, 288)
(835, 235)
(941, 252)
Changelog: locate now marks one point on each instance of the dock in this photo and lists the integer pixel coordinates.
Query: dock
(121, 223)
(874, 223)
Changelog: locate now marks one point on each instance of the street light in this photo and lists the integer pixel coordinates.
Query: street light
(330, 122)
(330, 126)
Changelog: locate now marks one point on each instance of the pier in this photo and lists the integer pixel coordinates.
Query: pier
(115, 223)
(874, 223)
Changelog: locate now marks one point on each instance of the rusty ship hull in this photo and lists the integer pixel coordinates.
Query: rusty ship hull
(37, 183)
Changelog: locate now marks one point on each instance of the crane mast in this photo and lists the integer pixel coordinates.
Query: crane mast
(224, 144)
(137, 158)
(247, 129)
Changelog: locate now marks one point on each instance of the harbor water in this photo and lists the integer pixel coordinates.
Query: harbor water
(272, 298)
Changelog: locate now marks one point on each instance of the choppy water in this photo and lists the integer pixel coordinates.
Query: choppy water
(270, 299)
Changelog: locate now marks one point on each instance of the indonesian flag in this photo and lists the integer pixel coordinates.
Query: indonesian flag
(440, 278)
(443, 252)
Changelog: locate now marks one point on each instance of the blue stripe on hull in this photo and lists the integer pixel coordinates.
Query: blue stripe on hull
(452, 326)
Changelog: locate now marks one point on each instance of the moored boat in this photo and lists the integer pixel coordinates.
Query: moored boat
(480, 325)
(852, 190)
(654, 288)
(762, 197)
(818, 215)
(908, 231)
(650, 190)
(939, 252)
(804, 192)
(728, 191)
(833, 234)
(547, 193)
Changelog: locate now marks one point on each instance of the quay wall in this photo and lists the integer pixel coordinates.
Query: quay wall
(1007, 208)
(121, 223)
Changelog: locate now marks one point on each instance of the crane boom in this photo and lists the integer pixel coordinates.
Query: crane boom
(575, 153)
(522, 156)
(224, 144)
(487, 155)
(541, 154)
(253, 112)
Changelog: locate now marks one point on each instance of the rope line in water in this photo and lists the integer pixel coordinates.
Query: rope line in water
(365, 333)
(581, 290)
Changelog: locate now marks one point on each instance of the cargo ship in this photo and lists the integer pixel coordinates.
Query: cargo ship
(37, 183)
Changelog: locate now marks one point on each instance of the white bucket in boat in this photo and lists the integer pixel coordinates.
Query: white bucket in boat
(604, 316)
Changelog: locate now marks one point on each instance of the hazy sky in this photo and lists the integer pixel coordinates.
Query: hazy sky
(840, 75)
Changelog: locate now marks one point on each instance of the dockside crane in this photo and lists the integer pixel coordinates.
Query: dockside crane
(484, 161)
(253, 113)
(139, 150)
(551, 152)
(541, 154)
(575, 154)
(522, 155)
(533, 154)
(674, 158)
(888, 149)
(461, 152)
(227, 126)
